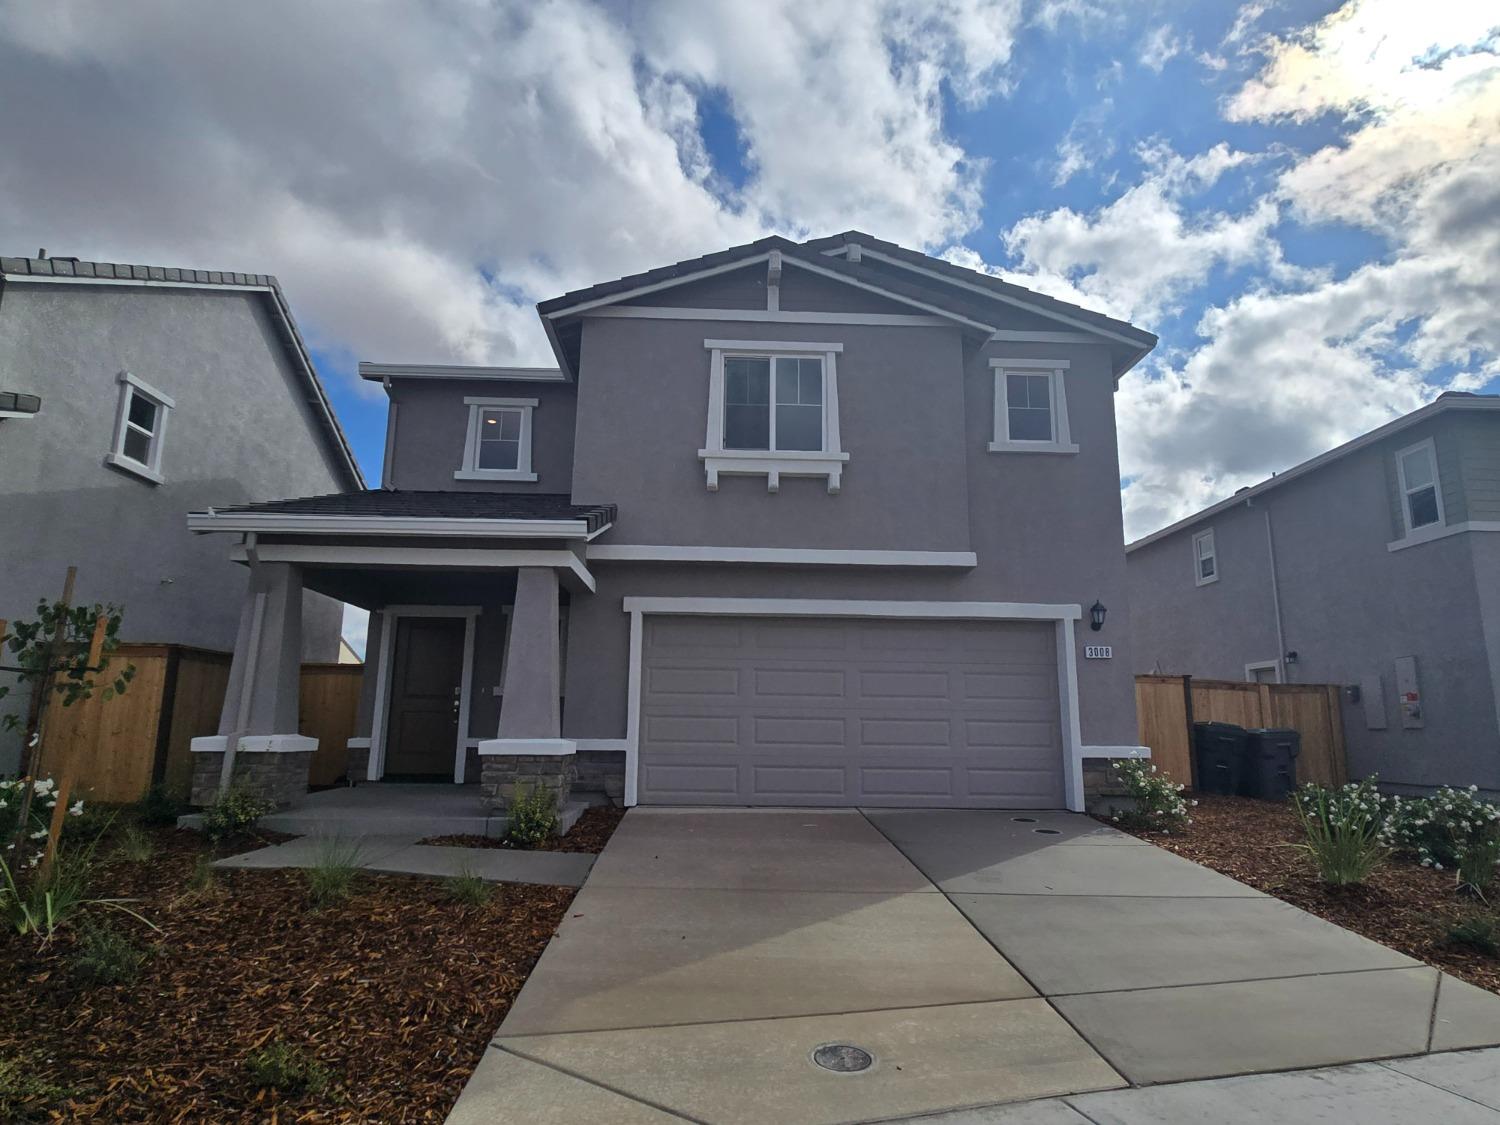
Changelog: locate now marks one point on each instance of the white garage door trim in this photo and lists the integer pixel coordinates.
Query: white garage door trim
(1062, 615)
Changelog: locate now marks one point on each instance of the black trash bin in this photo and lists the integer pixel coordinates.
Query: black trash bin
(1219, 755)
(1271, 763)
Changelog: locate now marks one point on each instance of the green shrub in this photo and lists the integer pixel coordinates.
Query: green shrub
(1158, 803)
(288, 1068)
(24, 1094)
(234, 811)
(105, 955)
(1479, 863)
(330, 879)
(467, 888)
(158, 808)
(1436, 830)
(135, 845)
(1480, 932)
(532, 818)
(1343, 831)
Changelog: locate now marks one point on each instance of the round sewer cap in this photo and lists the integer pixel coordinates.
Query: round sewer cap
(842, 1058)
(1024, 819)
(1047, 831)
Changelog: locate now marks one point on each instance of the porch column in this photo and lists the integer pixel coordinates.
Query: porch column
(259, 719)
(528, 753)
(357, 763)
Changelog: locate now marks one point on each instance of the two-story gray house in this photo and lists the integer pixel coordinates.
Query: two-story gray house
(128, 396)
(1375, 566)
(819, 523)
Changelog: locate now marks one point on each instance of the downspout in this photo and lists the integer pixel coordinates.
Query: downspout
(247, 681)
(1276, 600)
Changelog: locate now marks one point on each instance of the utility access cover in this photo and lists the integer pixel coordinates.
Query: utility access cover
(842, 1058)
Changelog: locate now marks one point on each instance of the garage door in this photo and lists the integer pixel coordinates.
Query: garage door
(820, 711)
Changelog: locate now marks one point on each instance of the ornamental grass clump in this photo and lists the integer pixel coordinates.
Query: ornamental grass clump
(1343, 830)
(1158, 803)
(1436, 830)
(330, 880)
(1479, 932)
(467, 888)
(288, 1068)
(1479, 864)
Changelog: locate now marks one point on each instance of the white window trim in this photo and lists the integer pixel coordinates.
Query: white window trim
(1258, 665)
(1062, 437)
(827, 463)
(147, 470)
(477, 407)
(1198, 579)
(1427, 530)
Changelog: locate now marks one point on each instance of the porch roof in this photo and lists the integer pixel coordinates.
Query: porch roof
(396, 512)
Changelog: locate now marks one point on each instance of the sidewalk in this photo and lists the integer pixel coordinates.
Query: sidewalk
(402, 855)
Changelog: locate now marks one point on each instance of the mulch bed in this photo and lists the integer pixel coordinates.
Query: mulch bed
(590, 834)
(397, 991)
(1403, 905)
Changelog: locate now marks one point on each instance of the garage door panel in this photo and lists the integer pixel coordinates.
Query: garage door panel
(850, 711)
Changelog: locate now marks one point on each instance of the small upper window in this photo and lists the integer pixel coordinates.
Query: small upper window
(1205, 558)
(498, 445)
(140, 428)
(1031, 407)
(1421, 499)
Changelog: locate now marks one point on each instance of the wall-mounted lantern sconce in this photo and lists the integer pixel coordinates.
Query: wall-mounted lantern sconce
(1291, 657)
(1096, 616)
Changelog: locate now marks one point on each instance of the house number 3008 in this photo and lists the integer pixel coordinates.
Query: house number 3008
(1098, 652)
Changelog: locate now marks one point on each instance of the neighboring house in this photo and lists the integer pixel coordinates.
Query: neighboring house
(130, 395)
(818, 524)
(1375, 566)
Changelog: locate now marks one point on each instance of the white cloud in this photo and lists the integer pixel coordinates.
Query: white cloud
(1161, 46)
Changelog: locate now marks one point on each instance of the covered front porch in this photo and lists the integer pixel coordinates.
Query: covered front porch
(463, 680)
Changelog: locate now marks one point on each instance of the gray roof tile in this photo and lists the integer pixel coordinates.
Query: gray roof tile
(392, 503)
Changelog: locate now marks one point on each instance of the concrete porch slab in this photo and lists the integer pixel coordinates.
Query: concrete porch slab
(755, 849)
(1212, 1031)
(1083, 943)
(1470, 1074)
(507, 1088)
(496, 865)
(761, 1071)
(633, 957)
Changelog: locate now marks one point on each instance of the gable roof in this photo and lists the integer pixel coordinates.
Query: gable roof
(1447, 401)
(973, 300)
(76, 271)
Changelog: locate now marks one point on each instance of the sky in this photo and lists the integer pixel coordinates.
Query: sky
(1302, 199)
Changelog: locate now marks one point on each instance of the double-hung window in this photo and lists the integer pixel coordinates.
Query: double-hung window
(1031, 407)
(1421, 496)
(498, 445)
(773, 411)
(1205, 558)
(140, 428)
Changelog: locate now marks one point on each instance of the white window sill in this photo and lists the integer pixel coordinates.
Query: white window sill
(1209, 581)
(1032, 447)
(135, 468)
(492, 474)
(772, 464)
(1427, 535)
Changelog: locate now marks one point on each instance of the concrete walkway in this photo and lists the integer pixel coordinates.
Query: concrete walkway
(401, 854)
(979, 958)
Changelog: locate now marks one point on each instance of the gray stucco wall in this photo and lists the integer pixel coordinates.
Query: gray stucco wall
(1350, 607)
(241, 431)
(432, 423)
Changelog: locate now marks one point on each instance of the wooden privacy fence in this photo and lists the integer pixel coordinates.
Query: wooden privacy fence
(1167, 706)
(121, 747)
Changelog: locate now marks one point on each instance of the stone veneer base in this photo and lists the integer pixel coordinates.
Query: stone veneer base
(279, 776)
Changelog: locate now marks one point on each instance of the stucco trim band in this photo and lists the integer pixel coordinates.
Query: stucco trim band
(255, 744)
(538, 747)
(785, 556)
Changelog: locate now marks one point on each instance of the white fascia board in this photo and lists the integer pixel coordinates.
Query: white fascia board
(640, 290)
(654, 312)
(1334, 454)
(780, 556)
(852, 607)
(300, 524)
(425, 558)
(139, 282)
(382, 371)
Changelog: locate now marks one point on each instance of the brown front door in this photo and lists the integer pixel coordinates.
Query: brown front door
(429, 659)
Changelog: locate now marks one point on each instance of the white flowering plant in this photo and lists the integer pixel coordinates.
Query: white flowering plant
(1158, 803)
(39, 817)
(1439, 830)
(1342, 830)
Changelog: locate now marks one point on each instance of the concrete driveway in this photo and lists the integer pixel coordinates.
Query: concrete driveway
(978, 957)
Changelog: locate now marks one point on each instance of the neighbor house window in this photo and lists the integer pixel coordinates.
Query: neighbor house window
(498, 445)
(1205, 558)
(1417, 475)
(772, 412)
(1031, 407)
(140, 428)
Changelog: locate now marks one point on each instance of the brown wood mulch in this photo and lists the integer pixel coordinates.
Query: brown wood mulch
(592, 831)
(1405, 906)
(397, 991)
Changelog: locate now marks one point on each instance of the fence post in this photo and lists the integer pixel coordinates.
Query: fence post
(1267, 711)
(1187, 708)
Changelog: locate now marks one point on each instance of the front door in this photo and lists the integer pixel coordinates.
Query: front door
(425, 685)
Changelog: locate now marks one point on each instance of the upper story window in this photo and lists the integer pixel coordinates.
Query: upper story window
(1417, 476)
(498, 445)
(140, 428)
(1205, 558)
(1031, 407)
(772, 412)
